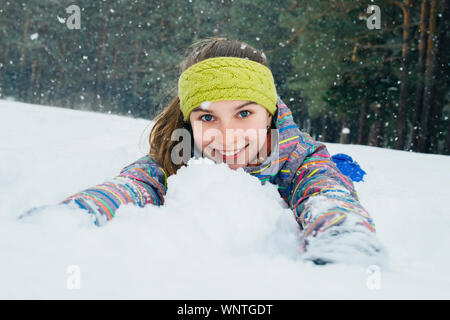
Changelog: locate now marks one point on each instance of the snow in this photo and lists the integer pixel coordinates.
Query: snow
(220, 234)
(205, 105)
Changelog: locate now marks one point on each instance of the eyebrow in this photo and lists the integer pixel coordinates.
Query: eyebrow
(237, 108)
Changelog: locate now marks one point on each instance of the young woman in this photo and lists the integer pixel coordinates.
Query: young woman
(228, 104)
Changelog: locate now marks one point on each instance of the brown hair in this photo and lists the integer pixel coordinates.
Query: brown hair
(171, 117)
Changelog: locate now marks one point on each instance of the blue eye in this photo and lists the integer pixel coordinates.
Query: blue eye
(244, 113)
(206, 119)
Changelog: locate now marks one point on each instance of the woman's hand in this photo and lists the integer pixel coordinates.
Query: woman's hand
(35, 210)
(341, 244)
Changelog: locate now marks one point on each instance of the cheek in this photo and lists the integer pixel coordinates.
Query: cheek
(259, 135)
(201, 136)
(198, 140)
(257, 143)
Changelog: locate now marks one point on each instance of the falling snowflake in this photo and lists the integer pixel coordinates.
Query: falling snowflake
(205, 105)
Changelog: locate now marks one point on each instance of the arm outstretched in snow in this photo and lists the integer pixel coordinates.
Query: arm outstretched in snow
(140, 183)
(326, 206)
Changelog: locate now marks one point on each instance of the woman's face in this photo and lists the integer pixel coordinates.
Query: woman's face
(231, 131)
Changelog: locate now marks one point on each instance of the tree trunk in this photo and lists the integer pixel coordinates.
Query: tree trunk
(442, 70)
(31, 86)
(323, 134)
(62, 71)
(1, 13)
(416, 125)
(22, 79)
(100, 74)
(43, 99)
(372, 139)
(113, 83)
(430, 77)
(447, 140)
(403, 102)
(362, 128)
(197, 26)
(136, 58)
(376, 135)
(4, 47)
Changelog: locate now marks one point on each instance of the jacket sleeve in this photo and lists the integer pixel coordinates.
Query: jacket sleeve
(141, 183)
(322, 197)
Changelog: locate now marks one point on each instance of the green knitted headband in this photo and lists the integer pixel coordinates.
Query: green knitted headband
(226, 78)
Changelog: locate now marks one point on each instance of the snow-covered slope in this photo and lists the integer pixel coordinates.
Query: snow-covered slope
(220, 235)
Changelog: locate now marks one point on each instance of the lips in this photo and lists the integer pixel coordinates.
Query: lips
(230, 155)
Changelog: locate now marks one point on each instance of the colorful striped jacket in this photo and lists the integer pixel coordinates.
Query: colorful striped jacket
(301, 168)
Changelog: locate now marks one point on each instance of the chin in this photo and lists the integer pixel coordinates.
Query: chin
(235, 166)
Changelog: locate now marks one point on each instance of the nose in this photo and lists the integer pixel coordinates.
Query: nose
(230, 135)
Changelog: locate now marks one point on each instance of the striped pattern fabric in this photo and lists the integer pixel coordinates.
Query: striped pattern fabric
(301, 168)
(141, 183)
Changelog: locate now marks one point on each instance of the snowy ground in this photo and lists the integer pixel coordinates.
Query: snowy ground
(237, 242)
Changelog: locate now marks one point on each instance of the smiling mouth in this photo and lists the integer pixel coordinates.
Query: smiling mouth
(230, 155)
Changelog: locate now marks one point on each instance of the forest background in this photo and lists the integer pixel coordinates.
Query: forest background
(359, 72)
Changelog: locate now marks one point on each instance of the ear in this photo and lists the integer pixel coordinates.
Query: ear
(269, 119)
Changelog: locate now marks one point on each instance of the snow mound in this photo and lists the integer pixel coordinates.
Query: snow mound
(238, 242)
(229, 211)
